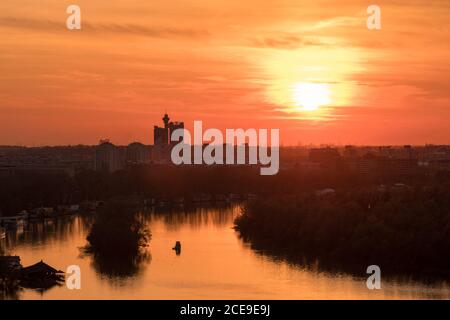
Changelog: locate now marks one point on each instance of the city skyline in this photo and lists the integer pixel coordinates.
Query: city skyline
(314, 71)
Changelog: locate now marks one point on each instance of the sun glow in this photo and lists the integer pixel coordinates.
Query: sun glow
(311, 83)
(310, 96)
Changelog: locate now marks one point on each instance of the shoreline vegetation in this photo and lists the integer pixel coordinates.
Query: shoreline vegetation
(405, 230)
(21, 191)
(400, 222)
(118, 239)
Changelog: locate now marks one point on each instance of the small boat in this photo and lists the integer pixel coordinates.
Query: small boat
(177, 247)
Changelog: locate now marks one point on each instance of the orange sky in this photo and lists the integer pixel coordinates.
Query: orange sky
(229, 63)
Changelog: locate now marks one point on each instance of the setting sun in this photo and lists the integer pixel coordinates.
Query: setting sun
(310, 96)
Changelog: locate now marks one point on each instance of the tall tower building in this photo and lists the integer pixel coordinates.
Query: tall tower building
(166, 120)
(172, 127)
(162, 138)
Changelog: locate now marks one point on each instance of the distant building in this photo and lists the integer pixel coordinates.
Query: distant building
(368, 164)
(162, 135)
(137, 153)
(350, 152)
(163, 141)
(62, 159)
(407, 152)
(441, 164)
(397, 166)
(323, 154)
(38, 168)
(386, 151)
(172, 127)
(107, 157)
(328, 158)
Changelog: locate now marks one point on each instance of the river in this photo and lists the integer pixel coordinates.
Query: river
(214, 263)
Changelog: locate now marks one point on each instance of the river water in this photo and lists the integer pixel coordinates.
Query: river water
(214, 264)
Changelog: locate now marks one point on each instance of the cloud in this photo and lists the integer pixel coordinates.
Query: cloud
(285, 41)
(342, 21)
(111, 28)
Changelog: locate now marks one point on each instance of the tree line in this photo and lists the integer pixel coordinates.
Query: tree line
(401, 228)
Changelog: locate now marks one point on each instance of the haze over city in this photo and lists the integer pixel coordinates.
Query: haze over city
(311, 69)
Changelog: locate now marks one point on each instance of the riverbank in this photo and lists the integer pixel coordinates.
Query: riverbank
(403, 230)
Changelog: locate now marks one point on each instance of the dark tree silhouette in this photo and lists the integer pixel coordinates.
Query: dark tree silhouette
(118, 239)
(403, 230)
